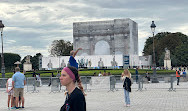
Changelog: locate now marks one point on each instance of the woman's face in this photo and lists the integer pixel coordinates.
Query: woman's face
(65, 78)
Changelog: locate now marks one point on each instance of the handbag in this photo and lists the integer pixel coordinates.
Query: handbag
(125, 85)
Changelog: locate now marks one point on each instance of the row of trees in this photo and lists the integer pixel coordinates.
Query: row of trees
(177, 43)
(11, 58)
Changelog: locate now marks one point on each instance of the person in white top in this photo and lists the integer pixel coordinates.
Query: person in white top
(99, 74)
(39, 79)
(10, 92)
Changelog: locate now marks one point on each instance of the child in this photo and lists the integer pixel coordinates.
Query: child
(10, 92)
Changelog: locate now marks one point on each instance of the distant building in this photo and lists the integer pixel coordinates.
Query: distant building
(118, 36)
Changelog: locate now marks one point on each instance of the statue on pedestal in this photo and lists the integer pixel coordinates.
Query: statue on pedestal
(167, 60)
(89, 63)
(27, 66)
(63, 64)
(50, 65)
(27, 60)
(114, 63)
(81, 62)
(86, 63)
(100, 63)
(167, 54)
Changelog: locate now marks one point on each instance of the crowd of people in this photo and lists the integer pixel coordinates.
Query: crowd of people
(180, 73)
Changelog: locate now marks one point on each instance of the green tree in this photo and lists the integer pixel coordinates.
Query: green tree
(35, 61)
(61, 48)
(9, 60)
(161, 59)
(181, 53)
(174, 60)
(166, 40)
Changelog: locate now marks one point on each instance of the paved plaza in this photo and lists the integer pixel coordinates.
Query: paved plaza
(149, 99)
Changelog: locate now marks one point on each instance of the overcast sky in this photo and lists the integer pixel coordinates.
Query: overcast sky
(32, 25)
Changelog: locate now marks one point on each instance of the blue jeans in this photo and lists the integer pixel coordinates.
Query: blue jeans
(127, 98)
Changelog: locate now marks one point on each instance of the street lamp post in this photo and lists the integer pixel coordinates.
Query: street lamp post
(2, 56)
(154, 80)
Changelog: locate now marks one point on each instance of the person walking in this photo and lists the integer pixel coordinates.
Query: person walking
(178, 76)
(136, 73)
(184, 75)
(58, 74)
(75, 97)
(147, 76)
(51, 79)
(72, 60)
(39, 79)
(126, 77)
(18, 82)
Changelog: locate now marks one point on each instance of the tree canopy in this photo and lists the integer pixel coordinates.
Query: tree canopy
(61, 48)
(9, 60)
(177, 43)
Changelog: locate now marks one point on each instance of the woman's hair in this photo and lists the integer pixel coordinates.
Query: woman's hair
(127, 73)
(17, 69)
(77, 78)
(122, 74)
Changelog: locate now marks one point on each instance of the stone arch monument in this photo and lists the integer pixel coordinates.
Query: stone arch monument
(102, 48)
(121, 35)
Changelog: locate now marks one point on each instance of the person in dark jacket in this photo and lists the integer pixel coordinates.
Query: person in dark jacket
(136, 73)
(126, 77)
(75, 97)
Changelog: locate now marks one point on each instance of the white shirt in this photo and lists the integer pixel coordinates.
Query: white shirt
(9, 83)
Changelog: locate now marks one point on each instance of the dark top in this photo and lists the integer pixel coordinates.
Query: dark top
(75, 101)
(136, 72)
(73, 62)
(127, 84)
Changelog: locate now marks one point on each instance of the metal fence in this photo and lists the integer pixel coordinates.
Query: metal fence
(109, 83)
(46, 80)
(3, 82)
(86, 80)
(166, 82)
(55, 84)
(31, 84)
(140, 83)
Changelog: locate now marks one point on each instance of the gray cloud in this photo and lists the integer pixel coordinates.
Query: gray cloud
(34, 24)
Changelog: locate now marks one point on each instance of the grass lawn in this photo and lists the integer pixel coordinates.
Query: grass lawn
(91, 72)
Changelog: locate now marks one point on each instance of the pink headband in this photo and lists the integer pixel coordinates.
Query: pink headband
(69, 72)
